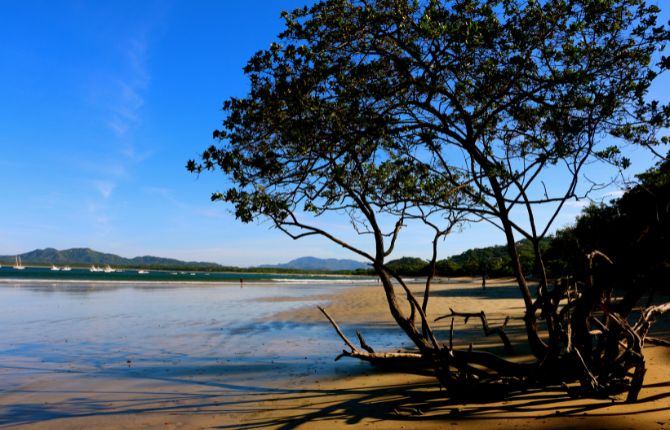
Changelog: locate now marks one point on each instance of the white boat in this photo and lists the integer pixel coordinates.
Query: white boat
(66, 268)
(108, 269)
(18, 265)
(95, 269)
(55, 268)
(142, 272)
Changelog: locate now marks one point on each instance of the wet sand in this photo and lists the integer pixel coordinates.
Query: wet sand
(291, 380)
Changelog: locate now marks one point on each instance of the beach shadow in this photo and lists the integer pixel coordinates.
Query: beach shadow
(493, 291)
(258, 406)
(416, 404)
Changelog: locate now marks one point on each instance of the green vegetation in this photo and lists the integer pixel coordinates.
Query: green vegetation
(633, 231)
(85, 257)
(442, 113)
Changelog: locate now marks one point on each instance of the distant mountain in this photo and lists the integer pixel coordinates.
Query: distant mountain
(87, 256)
(313, 263)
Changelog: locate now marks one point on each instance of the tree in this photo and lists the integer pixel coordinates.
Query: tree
(447, 112)
(633, 231)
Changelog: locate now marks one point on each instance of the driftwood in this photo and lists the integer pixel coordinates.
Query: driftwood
(597, 347)
(657, 341)
(478, 358)
(488, 330)
(367, 353)
(648, 318)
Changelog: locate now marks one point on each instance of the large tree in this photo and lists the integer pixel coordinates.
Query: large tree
(444, 112)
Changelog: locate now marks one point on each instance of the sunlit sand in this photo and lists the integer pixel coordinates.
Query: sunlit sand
(189, 356)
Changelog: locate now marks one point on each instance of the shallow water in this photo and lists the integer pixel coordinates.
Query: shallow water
(8, 274)
(109, 330)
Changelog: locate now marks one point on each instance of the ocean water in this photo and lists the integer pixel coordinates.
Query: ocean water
(107, 329)
(128, 275)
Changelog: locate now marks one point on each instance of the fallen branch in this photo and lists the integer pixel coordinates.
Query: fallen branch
(337, 329)
(592, 381)
(363, 343)
(377, 358)
(648, 318)
(657, 341)
(488, 330)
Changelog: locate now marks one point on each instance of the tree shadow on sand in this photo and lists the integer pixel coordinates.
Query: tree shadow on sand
(248, 406)
(417, 404)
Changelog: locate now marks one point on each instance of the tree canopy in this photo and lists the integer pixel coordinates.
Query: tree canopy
(632, 230)
(445, 112)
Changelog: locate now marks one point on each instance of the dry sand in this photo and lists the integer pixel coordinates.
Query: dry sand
(317, 395)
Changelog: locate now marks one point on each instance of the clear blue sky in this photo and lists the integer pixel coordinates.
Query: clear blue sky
(102, 105)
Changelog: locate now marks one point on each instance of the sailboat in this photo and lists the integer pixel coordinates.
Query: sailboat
(108, 269)
(18, 265)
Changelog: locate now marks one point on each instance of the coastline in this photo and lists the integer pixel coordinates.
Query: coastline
(44, 275)
(158, 283)
(310, 392)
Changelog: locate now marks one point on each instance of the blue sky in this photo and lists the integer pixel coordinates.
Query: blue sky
(102, 105)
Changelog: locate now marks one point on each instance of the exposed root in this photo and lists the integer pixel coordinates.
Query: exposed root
(367, 353)
(657, 341)
(488, 330)
(603, 351)
(648, 318)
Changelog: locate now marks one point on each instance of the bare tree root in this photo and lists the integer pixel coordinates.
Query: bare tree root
(368, 354)
(488, 365)
(657, 341)
(611, 357)
(601, 350)
(488, 330)
(648, 318)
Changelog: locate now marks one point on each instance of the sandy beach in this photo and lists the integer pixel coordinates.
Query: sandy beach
(293, 382)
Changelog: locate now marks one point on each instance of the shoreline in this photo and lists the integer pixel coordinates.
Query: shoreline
(214, 283)
(292, 391)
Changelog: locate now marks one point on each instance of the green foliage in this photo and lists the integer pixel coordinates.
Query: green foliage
(454, 110)
(445, 112)
(345, 73)
(633, 231)
(492, 261)
(409, 266)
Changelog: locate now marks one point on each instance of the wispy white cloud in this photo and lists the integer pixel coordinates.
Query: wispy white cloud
(105, 188)
(614, 195)
(118, 93)
(136, 55)
(132, 82)
(125, 112)
(577, 204)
